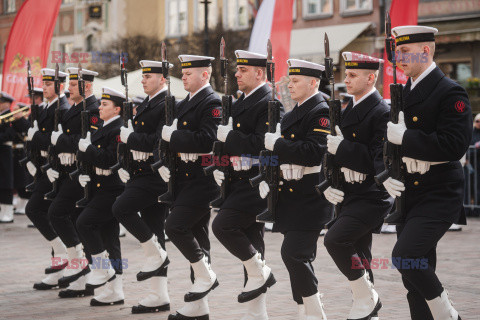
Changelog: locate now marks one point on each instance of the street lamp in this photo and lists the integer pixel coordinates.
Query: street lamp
(205, 39)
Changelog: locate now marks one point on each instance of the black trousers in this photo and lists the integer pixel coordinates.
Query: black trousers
(348, 240)
(299, 250)
(37, 208)
(239, 233)
(6, 196)
(152, 221)
(187, 228)
(99, 228)
(415, 256)
(63, 213)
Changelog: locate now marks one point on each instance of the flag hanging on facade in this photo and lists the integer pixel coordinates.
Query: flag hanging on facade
(274, 22)
(29, 40)
(402, 13)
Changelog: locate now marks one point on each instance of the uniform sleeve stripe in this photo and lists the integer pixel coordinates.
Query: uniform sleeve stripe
(321, 130)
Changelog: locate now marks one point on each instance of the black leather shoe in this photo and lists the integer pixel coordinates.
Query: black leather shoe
(44, 286)
(96, 303)
(75, 293)
(250, 295)
(54, 269)
(67, 280)
(194, 296)
(143, 309)
(179, 316)
(159, 272)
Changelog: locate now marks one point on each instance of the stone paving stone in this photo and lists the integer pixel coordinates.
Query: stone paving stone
(25, 254)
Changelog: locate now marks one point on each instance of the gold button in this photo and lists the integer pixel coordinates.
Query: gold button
(98, 146)
(186, 174)
(238, 125)
(240, 178)
(279, 189)
(98, 185)
(184, 123)
(354, 135)
(282, 135)
(143, 123)
(68, 130)
(140, 169)
(291, 190)
(415, 119)
(292, 136)
(136, 122)
(266, 123)
(416, 183)
(43, 129)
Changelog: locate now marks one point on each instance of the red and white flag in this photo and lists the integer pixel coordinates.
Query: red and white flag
(402, 13)
(29, 40)
(274, 22)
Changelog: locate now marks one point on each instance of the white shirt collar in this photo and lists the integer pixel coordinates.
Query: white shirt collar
(364, 97)
(423, 75)
(51, 103)
(251, 92)
(193, 95)
(308, 98)
(156, 94)
(111, 120)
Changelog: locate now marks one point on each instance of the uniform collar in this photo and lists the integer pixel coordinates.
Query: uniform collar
(54, 100)
(364, 97)
(156, 94)
(253, 91)
(110, 120)
(193, 95)
(423, 75)
(299, 104)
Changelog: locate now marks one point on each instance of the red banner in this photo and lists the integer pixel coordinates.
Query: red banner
(29, 39)
(402, 13)
(280, 36)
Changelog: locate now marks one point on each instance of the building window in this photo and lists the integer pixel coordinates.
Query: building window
(9, 6)
(235, 14)
(458, 71)
(355, 7)
(176, 17)
(200, 15)
(67, 2)
(294, 10)
(314, 9)
(79, 21)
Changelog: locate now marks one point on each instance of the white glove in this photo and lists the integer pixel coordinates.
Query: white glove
(31, 131)
(334, 196)
(271, 138)
(297, 172)
(31, 168)
(219, 176)
(52, 175)
(395, 132)
(353, 176)
(223, 131)
(84, 143)
(416, 166)
(164, 173)
(334, 141)
(56, 135)
(83, 180)
(394, 187)
(168, 130)
(286, 171)
(126, 131)
(264, 189)
(189, 157)
(124, 175)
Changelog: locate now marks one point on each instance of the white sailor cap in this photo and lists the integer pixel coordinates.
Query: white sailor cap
(87, 75)
(150, 66)
(21, 104)
(138, 100)
(113, 95)
(5, 97)
(37, 90)
(191, 61)
(412, 34)
(304, 68)
(248, 58)
(49, 75)
(355, 60)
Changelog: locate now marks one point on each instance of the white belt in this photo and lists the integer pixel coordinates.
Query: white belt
(310, 170)
(44, 153)
(8, 143)
(440, 162)
(102, 172)
(67, 159)
(18, 145)
(140, 155)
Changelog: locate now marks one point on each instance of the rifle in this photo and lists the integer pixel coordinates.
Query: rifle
(267, 172)
(124, 156)
(333, 175)
(52, 159)
(32, 153)
(218, 146)
(167, 157)
(392, 154)
(83, 168)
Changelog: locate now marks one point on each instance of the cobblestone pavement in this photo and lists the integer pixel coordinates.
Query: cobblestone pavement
(25, 254)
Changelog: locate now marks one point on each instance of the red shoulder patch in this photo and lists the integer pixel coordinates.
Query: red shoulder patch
(216, 113)
(324, 122)
(118, 138)
(460, 106)
(93, 120)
